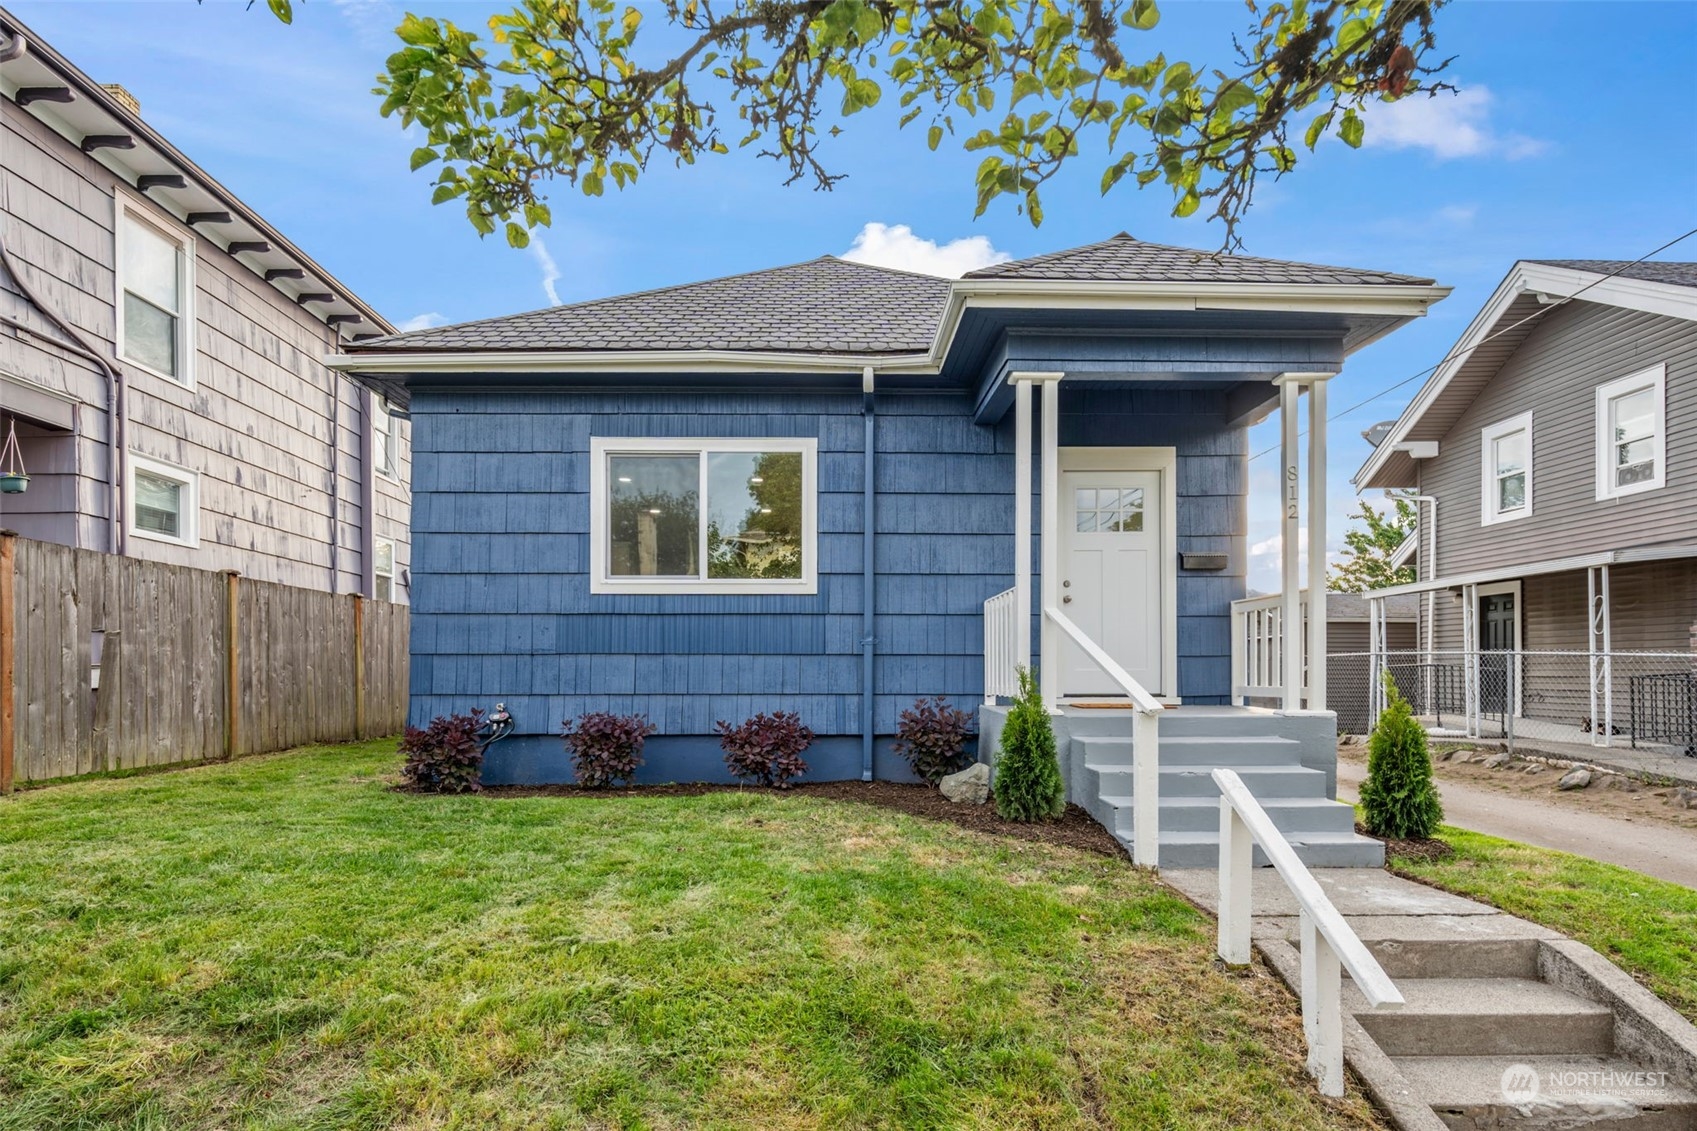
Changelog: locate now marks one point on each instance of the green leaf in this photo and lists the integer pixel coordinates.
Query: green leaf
(1234, 96)
(591, 183)
(1352, 33)
(282, 9)
(444, 193)
(1351, 129)
(516, 235)
(1187, 204)
(934, 137)
(421, 157)
(1316, 128)
(419, 33)
(632, 21)
(1142, 15)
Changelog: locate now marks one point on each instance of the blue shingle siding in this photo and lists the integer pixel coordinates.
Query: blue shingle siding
(501, 603)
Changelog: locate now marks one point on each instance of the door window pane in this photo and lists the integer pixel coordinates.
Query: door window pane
(754, 514)
(653, 515)
(1107, 509)
(150, 335)
(158, 504)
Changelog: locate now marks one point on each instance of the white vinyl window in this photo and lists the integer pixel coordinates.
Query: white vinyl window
(383, 437)
(383, 570)
(164, 502)
(155, 296)
(703, 515)
(1505, 472)
(1632, 434)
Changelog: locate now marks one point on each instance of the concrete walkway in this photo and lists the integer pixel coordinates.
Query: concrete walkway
(1663, 851)
(1506, 1024)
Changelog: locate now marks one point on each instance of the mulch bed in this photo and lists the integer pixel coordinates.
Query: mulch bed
(1075, 829)
(1427, 849)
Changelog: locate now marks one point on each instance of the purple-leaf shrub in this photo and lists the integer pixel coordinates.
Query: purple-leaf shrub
(932, 736)
(444, 757)
(606, 748)
(766, 748)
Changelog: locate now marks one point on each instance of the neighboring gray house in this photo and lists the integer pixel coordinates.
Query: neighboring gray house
(1554, 455)
(161, 353)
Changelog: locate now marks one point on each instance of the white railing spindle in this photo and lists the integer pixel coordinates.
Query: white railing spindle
(1001, 646)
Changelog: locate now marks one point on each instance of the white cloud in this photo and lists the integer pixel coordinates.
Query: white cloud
(1458, 214)
(895, 245)
(550, 269)
(1449, 125)
(422, 322)
(373, 21)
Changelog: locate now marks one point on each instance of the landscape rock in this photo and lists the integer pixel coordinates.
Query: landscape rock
(1620, 782)
(1683, 798)
(1574, 779)
(969, 787)
(1498, 761)
(1536, 768)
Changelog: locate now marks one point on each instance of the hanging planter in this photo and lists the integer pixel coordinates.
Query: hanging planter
(13, 480)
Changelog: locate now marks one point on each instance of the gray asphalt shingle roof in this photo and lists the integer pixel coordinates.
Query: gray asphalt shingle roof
(1125, 259)
(1676, 274)
(826, 305)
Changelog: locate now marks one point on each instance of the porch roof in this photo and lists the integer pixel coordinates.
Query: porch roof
(1629, 556)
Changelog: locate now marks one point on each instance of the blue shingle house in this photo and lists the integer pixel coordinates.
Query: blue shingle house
(832, 488)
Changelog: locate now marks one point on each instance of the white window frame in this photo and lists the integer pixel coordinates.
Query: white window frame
(1654, 378)
(383, 423)
(127, 210)
(602, 448)
(190, 517)
(1489, 512)
(377, 567)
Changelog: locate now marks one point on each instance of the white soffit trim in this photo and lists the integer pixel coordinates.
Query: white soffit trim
(1559, 283)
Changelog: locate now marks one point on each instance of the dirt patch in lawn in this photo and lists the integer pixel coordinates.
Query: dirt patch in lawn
(1424, 849)
(1075, 829)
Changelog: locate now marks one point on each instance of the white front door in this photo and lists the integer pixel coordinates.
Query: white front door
(1111, 560)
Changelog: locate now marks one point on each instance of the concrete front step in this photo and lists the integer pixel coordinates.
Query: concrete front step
(1202, 814)
(1574, 1093)
(1197, 750)
(1486, 1017)
(1316, 849)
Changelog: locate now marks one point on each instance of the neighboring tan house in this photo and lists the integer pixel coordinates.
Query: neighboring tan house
(810, 488)
(1554, 455)
(161, 356)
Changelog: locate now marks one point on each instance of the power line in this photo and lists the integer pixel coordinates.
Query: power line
(1506, 329)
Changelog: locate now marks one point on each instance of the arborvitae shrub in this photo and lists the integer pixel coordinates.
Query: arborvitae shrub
(766, 748)
(1398, 797)
(605, 747)
(444, 757)
(1028, 785)
(932, 736)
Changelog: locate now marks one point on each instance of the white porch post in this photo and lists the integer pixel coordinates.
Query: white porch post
(1022, 519)
(1049, 639)
(1290, 508)
(1317, 544)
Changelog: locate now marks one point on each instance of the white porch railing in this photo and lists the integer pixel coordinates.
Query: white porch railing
(1145, 743)
(1329, 945)
(1258, 648)
(1001, 646)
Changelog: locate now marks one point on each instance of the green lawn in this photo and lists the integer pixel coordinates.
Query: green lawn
(284, 942)
(1646, 926)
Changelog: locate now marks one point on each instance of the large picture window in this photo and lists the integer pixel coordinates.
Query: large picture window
(155, 285)
(1632, 434)
(703, 515)
(1506, 471)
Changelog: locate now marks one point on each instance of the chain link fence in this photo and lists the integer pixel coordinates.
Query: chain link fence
(1637, 700)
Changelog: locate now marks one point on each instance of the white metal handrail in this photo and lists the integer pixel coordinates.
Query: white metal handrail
(1258, 647)
(1145, 743)
(1001, 646)
(1327, 939)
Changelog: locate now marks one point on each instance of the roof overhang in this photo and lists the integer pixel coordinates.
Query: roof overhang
(1528, 292)
(93, 112)
(1534, 569)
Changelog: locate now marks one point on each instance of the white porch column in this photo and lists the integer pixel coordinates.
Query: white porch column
(1317, 544)
(1290, 511)
(1022, 519)
(1049, 637)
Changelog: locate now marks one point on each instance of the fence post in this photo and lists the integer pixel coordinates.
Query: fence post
(1237, 858)
(8, 665)
(359, 666)
(232, 663)
(1322, 1008)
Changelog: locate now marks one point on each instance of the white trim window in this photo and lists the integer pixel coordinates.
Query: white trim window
(164, 502)
(1505, 470)
(1632, 434)
(714, 515)
(383, 569)
(383, 437)
(155, 295)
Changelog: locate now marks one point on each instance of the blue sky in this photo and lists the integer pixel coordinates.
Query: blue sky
(1575, 136)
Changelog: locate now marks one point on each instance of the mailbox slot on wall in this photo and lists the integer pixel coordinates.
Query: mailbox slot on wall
(1202, 561)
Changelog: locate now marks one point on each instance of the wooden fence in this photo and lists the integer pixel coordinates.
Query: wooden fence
(110, 663)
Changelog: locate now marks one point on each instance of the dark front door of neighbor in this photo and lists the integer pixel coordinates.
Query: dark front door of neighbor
(1497, 624)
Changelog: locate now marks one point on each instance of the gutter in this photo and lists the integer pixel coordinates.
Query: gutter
(869, 525)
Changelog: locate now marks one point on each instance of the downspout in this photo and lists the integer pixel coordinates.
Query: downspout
(335, 474)
(868, 606)
(367, 496)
